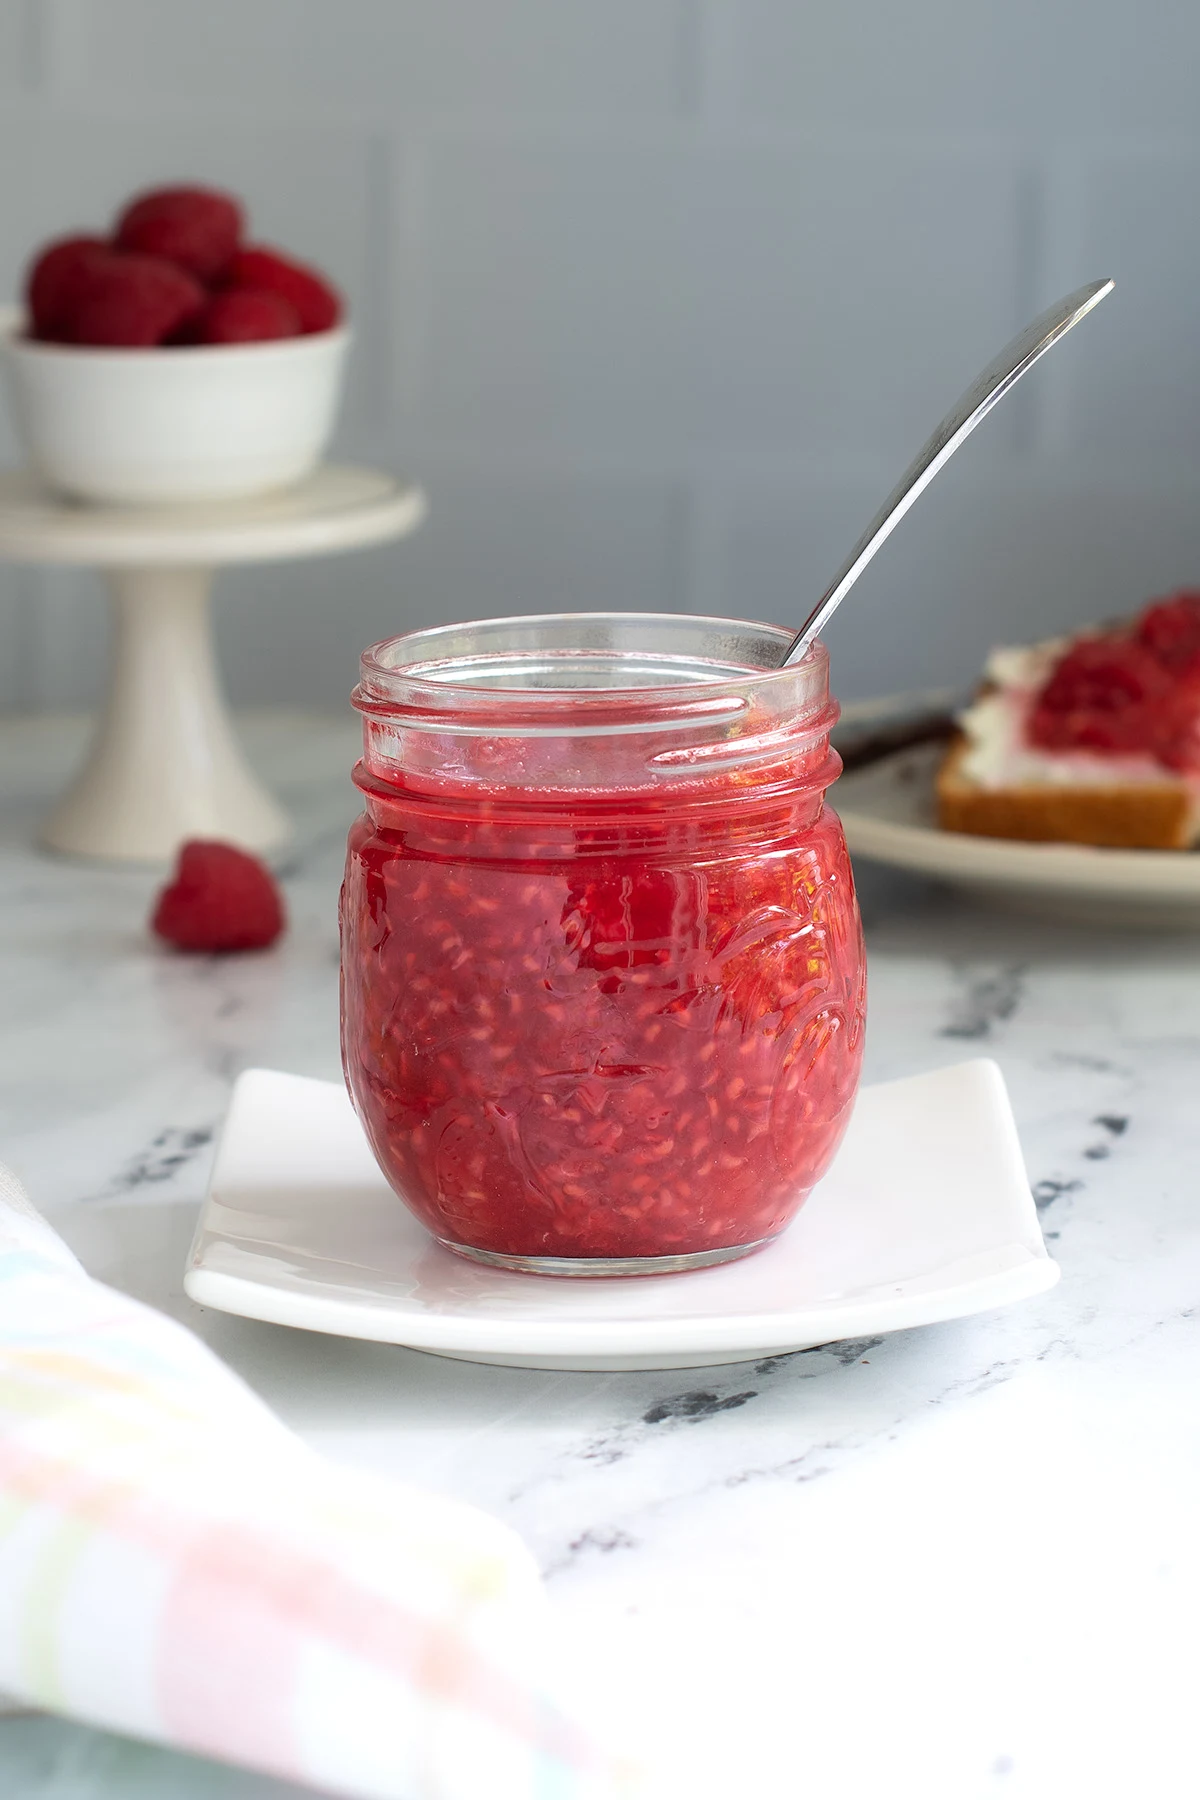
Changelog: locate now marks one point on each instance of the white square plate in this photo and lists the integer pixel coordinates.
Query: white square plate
(925, 1215)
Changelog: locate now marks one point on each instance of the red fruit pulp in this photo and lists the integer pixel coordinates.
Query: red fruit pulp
(596, 1027)
(1131, 691)
(1170, 630)
(1100, 696)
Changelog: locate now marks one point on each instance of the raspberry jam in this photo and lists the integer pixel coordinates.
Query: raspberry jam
(602, 967)
(1132, 689)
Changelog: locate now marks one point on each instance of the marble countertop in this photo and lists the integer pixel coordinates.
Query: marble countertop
(956, 1562)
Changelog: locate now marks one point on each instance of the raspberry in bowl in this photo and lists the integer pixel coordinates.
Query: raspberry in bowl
(602, 967)
(170, 361)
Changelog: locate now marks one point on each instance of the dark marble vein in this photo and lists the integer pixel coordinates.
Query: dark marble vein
(694, 1405)
(1045, 1193)
(986, 1000)
(170, 1151)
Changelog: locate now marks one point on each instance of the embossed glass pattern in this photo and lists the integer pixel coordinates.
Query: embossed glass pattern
(602, 967)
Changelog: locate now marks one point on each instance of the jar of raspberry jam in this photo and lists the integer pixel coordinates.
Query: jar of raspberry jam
(602, 967)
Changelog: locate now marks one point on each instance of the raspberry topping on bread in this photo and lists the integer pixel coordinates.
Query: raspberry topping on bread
(1127, 691)
(1101, 695)
(1170, 630)
(1094, 740)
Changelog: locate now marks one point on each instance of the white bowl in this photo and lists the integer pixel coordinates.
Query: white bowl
(209, 422)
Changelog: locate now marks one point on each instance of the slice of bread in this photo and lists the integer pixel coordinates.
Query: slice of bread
(1129, 816)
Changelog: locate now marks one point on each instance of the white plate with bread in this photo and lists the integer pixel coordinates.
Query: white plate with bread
(889, 807)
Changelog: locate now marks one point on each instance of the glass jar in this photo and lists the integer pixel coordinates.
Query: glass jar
(602, 967)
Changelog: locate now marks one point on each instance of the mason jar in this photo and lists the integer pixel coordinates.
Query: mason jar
(602, 966)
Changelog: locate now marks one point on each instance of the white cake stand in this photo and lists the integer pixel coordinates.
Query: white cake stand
(165, 764)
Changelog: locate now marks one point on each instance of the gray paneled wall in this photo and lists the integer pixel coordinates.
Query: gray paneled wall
(656, 296)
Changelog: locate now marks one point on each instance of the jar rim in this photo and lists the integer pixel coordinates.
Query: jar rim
(696, 700)
(442, 648)
(570, 674)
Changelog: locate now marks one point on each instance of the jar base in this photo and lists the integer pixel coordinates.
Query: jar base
(593, 1267)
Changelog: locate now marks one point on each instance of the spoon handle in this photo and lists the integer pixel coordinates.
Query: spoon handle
(959, 423)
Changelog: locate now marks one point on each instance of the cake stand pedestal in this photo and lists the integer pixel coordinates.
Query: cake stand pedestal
(165, 764)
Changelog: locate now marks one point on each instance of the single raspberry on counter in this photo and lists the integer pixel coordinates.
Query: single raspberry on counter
(1102, 694)
(245, 316)
(132, 301)
(54, 279)
(258, 266)
(1170, 630)
(195, 227)
(219, 899)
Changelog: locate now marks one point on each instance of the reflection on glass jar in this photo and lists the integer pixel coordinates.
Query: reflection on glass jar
(602, 967)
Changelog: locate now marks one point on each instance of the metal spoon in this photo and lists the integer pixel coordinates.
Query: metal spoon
(959, 423)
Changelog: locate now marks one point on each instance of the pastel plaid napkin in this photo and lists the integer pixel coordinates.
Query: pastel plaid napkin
(176, 1565)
